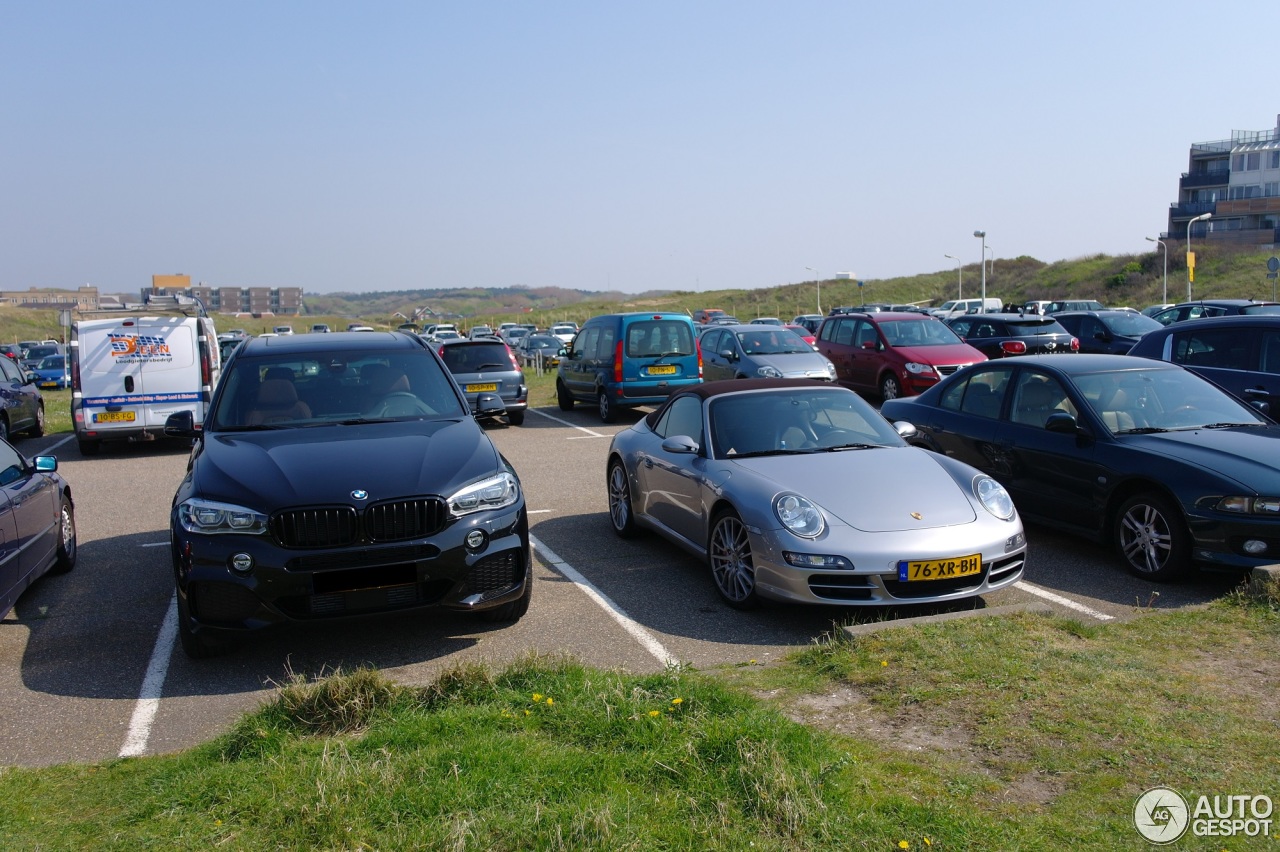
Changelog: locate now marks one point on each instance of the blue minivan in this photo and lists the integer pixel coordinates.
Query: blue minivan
(624, 360)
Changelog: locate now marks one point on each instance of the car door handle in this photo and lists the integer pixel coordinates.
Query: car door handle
(1256, 391)
(648, 461)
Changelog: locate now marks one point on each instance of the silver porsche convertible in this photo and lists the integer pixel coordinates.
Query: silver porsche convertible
(800, 491)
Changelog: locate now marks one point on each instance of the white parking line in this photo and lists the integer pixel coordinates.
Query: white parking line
(1059, 599)
(644, 637)
(144, 712)
(589, 434)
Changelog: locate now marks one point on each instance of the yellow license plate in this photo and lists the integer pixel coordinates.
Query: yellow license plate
(481, 388)
(114, 417)
(662, 370)
(940, 569)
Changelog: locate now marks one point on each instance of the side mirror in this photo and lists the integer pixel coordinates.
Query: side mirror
(906, 431)
(681, 444)
(489, 403)
(30, 378)
(181, 424)
(729, 355)
(46, 464)
(869, 345)
(1061, 421)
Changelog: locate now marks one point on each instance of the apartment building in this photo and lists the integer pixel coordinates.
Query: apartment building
(1236, 182)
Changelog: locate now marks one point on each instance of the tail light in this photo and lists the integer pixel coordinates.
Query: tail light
(617, 366)
(1075, 344)
(514, 363)
(1013, 347)
(206, 365)
(698, 346)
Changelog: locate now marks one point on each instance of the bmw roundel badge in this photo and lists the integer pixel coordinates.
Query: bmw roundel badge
(360, 494)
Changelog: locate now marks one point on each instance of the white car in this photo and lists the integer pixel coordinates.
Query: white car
(564, 331)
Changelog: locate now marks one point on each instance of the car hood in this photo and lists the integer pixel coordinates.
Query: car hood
(1248, 455)
(951, 353)
(874, 490)
(323, 465)
(795, 363)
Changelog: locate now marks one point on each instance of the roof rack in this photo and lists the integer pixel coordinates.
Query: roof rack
(188, 306)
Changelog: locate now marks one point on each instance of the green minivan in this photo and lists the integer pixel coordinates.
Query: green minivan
(624, 360)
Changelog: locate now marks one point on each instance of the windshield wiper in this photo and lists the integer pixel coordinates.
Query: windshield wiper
(1229, 425)
(838, 447)
(257, 427)
(484, 367)
(1142, 430)
(359, 421)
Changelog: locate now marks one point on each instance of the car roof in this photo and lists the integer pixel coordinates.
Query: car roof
(724, 387)
(306, 344)
(1079, 364)
(1234, 320)
(1004, 317)
(1094, 313)
(1226, 303)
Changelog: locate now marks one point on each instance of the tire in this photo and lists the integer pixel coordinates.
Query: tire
(1152, 539)
(515, 418)
(90, 448)
(516, 609)
(890, 387)
(194, 645)
(729, 557)
(621, 514)
(608, 411)
(37, 430)
(65, 559)
(563, 398)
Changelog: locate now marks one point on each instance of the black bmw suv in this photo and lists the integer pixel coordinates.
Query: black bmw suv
(336, 475)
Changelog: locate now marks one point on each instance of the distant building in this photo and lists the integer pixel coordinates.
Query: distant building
(1237, 182)
(259, 301)
(82, 299)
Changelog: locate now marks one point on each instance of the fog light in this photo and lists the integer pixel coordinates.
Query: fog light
(241, 563)
(1013, 542)
(476, 540)
(1253, 547)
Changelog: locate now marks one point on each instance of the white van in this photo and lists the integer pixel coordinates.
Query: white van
(129, 373)
(960, 307)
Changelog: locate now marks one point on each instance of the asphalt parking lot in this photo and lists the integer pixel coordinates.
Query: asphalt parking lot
(89, 668)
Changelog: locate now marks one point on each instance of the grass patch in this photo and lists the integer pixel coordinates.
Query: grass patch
(1004, 733)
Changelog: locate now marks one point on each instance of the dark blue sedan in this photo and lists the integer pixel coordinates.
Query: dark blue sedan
(1165, 465)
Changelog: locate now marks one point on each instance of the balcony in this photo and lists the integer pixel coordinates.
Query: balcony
(1217, 177)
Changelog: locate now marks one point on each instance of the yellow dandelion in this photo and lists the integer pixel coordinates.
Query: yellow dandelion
(902, 844)
(885, 663)
(655, 713)
(927, 842)
(550, 701)
(217, 822)
(753, 662)
(526, 711)
(677, 701)
(537, 697)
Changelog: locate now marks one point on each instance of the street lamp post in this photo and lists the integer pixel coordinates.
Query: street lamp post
(959, 276)
(1164, 300)
(1190, 263)
(818, 277)
(982, 261)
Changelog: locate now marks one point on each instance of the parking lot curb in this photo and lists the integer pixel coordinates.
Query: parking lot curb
(1009, 609)
(1264, 579)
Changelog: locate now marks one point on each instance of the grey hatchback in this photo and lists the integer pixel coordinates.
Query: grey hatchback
(486, 368)
(759, 351)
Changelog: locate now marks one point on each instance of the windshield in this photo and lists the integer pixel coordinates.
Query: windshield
(53, 362)
(773, 342)
(918, 332)
(648, 338)
(1161, 399)
(1260, 309)
(332, 388)
(1129, 324)
(799, 420)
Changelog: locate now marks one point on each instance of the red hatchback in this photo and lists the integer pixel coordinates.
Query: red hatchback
(893, 354)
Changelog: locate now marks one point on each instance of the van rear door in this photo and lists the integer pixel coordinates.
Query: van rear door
(134, 373)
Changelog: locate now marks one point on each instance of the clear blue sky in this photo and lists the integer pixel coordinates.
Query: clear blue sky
(605, 145)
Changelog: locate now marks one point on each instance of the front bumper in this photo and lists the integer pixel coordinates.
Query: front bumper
(298, 585)
(874, 579)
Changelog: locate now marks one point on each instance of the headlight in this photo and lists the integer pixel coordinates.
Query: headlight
(993, 497)
(208, 517)
(918, 369)
(831, 370)
(799, 515)
(496, 492)
(1250, 505)
(767, 372)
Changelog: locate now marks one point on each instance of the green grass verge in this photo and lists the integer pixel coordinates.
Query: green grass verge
(1025, 732)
